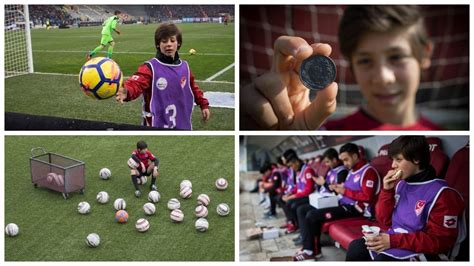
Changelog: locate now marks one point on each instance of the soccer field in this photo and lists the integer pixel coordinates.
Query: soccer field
(52, 230)
(58, 55)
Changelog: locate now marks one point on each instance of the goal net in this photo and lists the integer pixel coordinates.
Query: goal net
(18, 53)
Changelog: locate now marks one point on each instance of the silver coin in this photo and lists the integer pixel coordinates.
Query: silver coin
(317, 72)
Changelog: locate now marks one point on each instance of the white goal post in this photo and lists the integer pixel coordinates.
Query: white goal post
(18, 51)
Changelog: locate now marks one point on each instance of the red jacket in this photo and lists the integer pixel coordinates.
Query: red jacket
(360, 120)
(309, 183)
(143, 78)
(435, 238)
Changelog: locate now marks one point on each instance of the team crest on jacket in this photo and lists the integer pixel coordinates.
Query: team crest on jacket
(419, 206)
(183, 82)
(161, 83)
(356, 178)
(450, 221)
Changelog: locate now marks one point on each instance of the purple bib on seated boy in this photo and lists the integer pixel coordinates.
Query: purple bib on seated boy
(413, 203)
(331, 178)
(172, 100)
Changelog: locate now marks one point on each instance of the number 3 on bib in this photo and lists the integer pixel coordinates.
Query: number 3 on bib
(171, 113)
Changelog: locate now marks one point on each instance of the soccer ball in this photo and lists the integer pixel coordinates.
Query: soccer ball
(201, 224)
(149, 208)
(192, 51)
(100, 78)
(84, 207)
(104, 173)
(221, 184)
(177, 216)
(12, 229)
(102, 197)
(120, 204)
(223, 209)
(93, 240)
(142, 225)
(121, 216)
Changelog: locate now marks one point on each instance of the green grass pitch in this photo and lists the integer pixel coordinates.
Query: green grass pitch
(52, 230)
(63, 51)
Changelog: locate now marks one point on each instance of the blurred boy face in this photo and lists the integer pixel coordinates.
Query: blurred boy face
(408, 168)
(386, 71)
(329, 162)
(349, 160)
(143, 151)
(169, 46)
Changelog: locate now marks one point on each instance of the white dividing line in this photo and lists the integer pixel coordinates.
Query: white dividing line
(126, 77)
(149, 53)
(220, 72)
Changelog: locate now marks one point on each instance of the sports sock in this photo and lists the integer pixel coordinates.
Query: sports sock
(93, 52)
(153, 180)
(135, 183)
(110, 51)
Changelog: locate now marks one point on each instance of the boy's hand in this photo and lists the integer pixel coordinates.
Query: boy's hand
(121, 94)
(391, 179)
(278, 99)
(378, 243)
(206, 114)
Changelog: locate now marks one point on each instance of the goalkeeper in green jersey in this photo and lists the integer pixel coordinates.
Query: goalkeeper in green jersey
(109, 26)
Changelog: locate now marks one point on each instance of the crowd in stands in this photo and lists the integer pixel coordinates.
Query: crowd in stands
(56, 15)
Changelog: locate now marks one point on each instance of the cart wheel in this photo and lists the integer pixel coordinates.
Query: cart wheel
(82, 190)
(35, 185)
(65, 196)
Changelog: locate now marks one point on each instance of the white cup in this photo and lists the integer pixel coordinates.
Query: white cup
(370, 231)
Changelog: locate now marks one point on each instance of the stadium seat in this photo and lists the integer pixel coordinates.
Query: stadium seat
(439, 160)
(316, 163)
(457, 176)
(327, 225)
(344, 233)
(382, 162)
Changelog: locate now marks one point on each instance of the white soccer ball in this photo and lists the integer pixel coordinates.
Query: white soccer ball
(192, 51)
(174, 204)
(93, 240)
(83, 207)
(59, 180)
(149, 208)
(203, 199)
(50, 177)
(185, 183)
(186, 192)
(221, 184)
(142, 180)
(177, 216)
(201, 225)
(132, 163)
(120, 204)
(105, 173)
(201, 211)
(142, 225)
(102, 197)
(154, 196)
(12, 230)
(223, 209)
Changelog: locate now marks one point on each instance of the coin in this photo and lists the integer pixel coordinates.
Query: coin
(317, 72)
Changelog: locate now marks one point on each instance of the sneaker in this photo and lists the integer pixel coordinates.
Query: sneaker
(138, 193)
(284, 226)
(153, 187)
(298, 241)
(302, 256)
(291, 228)
(269, 216)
